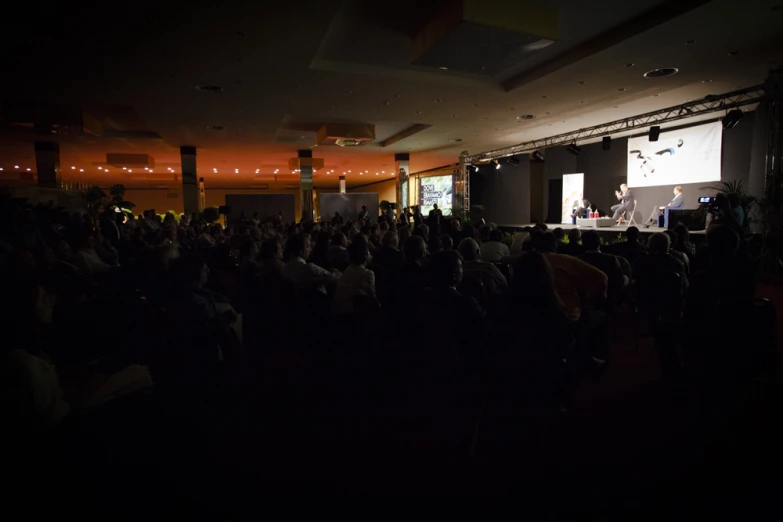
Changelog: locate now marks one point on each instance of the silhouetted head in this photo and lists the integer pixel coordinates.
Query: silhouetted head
(446, 269)
(591, 240)
(659, 243)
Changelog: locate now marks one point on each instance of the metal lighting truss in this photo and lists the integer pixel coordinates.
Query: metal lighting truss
(708, 104)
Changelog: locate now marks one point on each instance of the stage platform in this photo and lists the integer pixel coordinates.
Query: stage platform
(614, 229)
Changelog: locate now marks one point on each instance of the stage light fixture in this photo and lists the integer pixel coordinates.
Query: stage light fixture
(606, 143)
(475, 168)
(537, 156)
(655, 131)
(574, 149)
(513, 160)
(497, 164)
(732, 119)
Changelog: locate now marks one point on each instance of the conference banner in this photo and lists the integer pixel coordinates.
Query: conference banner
(573, 187)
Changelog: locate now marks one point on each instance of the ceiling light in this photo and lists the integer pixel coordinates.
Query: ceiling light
(443, 68)
(732, 119)
(475, 168)
(706, 81)
(690, 42)
(661, 73)
(630, 64)
(513, 160)
(27, 169)
(1, 168)
(655, 131)
(361, 173)
(100, 168)
(537, 156)
(621, 89)
(733, 53)
(573, 149)
(545, 96)
(129, 170)
(656, 95)
(580, 83)
(376, 173)
(123, 168)
(497, 164)
(526, 117)
(72, 168)
(16, 166)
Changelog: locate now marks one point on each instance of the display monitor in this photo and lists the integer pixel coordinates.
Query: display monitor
(436, 189)
(681, 156)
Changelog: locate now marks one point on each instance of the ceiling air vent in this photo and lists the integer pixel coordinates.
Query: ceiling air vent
(345, 134)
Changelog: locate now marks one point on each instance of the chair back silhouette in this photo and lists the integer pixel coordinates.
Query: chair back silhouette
(659, 295)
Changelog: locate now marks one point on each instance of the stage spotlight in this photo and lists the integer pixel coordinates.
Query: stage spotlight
(513, 160)
(573, 149)
(497, 164)
(537, 156)
(475, 168)
(732, 119)
(606, 143)
(655, 131)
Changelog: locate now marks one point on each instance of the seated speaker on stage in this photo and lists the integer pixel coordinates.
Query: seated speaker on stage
(625, 196)
(660, 215)
(579, 209)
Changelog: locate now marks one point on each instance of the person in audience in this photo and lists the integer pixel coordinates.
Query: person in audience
(87, 259)
(303, 274)
(357, 281)
(423, 231)
(736, 208)
(473, 268)
(722, 213)
(455, 231)
(447, 242)
(651, 267)
(606, 263)
(337, 254)
(574, 246)
(389, 256)
(494, 250)
(414, 277)
(729, 275)
(31, 398)
(271, 257)
(632, 249)
(683, 243)
(579, 285)
(677, 254)
(418, 219)
(560, 236)
(521, 241)
(434, 244)
(459, 316)
(319, 254)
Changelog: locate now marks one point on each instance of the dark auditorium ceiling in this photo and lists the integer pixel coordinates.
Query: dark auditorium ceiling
(249, 83)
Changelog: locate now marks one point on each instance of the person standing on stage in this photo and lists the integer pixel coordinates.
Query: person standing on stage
(626, 203)
(676, 202)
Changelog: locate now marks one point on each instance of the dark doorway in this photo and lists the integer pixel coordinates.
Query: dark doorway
(553, 202)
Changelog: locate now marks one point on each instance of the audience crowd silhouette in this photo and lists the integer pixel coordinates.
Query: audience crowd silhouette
(434, 340)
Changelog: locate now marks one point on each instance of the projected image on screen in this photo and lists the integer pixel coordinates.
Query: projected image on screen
(681, 156)
(436, 189)
(403, 195)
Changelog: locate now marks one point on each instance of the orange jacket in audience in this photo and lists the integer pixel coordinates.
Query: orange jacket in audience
(578, 284)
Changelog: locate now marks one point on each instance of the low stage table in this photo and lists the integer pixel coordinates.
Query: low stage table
(596, 222)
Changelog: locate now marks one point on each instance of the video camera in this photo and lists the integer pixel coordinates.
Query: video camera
(710, 201)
